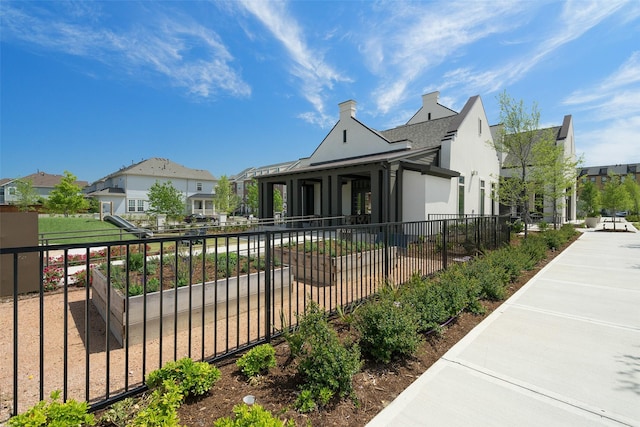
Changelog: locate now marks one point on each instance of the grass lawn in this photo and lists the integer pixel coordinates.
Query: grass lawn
(59, 230)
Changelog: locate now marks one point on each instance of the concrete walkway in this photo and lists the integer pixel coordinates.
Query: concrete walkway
(563, 351)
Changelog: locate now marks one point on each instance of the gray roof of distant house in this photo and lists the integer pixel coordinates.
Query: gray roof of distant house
(162, 168)
(622, 169)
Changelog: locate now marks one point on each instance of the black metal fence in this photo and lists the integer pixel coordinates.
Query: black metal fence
(107, 314)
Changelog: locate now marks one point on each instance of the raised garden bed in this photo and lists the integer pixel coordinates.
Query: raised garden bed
(332, 263)
(222, 292)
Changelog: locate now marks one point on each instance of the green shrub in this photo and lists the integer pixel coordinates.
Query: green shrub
(458, 290)
(252, 416)
(552, 239)
(54, 414)
(121, 413)
(193, 378)
(305, 402)
(534, 249)
(161, 408)
(257, 360)
(543, 226)
(492, 279)
(135, 261)
(387, 329)
(424, 297)
(323, 361)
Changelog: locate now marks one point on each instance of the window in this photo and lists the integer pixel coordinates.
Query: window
(140, 205)
(132, 206)
(344, 136)
(198, 186)
(592, 179)
(479, 127)
(603, 179)
(12, 191)
(493, 198)
(429, 116)
(482, 197)
(461, 195)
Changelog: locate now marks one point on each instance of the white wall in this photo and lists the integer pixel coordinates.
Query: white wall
(469, 152)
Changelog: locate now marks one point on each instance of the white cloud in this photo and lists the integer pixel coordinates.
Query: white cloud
(617, 142)
(627, 74)
(161, 46)
(576, 19)
(308, 65)
(431, 33)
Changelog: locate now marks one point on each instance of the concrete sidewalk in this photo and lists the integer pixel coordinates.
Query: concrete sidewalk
(563, 351)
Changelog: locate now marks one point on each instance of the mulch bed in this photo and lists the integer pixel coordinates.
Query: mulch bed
(375, 386)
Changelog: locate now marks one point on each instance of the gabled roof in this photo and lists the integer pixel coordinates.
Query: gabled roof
(427, 134)
(43, 180)
(623, 169)
(162, 168)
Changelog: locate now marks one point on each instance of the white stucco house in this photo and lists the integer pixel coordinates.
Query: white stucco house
(126, 190)
(540, 207)
(439, 162)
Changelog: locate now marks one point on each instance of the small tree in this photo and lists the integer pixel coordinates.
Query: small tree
(225, 199)
(252, 196)
(66, 197)
(589, 199)
(517, 140)
(614, 195)
(27, 195)
(277, 201)
(633, 188)
(165, 199)
(555, 172)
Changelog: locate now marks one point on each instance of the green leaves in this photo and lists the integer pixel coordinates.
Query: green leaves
(257, 360)
(166, 199)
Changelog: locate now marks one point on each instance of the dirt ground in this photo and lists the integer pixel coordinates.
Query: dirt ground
(375, 386)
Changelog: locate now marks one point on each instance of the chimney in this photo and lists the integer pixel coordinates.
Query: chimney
(347, 109)
(430, 99)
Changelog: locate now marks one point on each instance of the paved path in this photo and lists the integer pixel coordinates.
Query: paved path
(563, 351)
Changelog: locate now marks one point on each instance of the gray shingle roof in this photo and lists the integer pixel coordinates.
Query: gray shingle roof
(162, 168)
(422, 135)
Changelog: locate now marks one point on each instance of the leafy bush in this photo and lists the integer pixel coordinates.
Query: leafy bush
(323, 361)
(387, 329)
(51, 278)
(193, 378)
(492, 279)
(257, 360)
(250, 416)
(54, 414)
(121, 413)
(135, 261)
(458, 290)
(552, 239)
(161, 408)
(425, 299)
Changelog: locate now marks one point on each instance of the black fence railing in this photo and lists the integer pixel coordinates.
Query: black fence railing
(106, 314)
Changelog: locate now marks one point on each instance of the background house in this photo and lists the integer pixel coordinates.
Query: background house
(598, 174)
(42, 183)
(439, 162)
(126, 191)
(541, 208)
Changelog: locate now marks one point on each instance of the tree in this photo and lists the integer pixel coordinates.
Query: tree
(518, 138)
(225, 199)
(277, 201)
(614, 195)
(633, 188)
(589, 199)
(252, 196)
(554, 172)
(26, 194)
(165, 199)
(66, 197)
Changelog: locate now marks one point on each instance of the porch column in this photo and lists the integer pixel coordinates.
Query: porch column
(377, 197)
(325, 197)
(293, 197)
(265, 200)
(336, 198)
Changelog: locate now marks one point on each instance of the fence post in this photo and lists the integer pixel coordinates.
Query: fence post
(445, 233)
(267, 284)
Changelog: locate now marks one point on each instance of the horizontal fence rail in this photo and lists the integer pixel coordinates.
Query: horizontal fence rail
(101, 316)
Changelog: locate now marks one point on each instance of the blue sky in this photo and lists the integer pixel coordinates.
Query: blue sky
(91, 87)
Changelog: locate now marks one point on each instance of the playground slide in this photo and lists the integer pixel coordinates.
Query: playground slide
(126, 225)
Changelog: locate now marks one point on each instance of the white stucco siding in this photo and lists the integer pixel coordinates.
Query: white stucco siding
(428, 195)
(474, 158)
(360, 141)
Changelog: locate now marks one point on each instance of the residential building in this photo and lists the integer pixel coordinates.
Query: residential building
(439, 162)
(241, 181)
(599, 174)
(540, 208)
(41, 182)
(126, 190)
